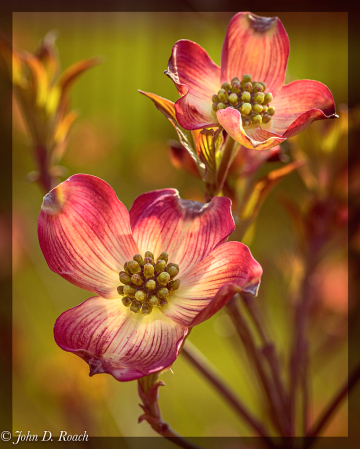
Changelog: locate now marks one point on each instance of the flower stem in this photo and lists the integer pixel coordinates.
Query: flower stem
(331, 407)
(300, 346)
(207, 370)
(268, 350)
(148, 392)
(278, 414)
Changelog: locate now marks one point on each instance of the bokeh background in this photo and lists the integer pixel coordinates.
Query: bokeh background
(122, 138)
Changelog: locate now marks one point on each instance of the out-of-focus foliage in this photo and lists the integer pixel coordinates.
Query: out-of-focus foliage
(121, 138)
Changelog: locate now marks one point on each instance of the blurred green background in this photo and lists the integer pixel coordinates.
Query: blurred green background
(122, 138)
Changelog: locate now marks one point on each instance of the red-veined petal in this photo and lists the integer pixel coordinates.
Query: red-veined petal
(259, 138)
(85, 235)
(114, 340)
(258, 46)
(300, 103)
(197, 79)
(187, 230)
(210, 284)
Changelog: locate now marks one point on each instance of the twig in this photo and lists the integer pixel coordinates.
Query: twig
(332, 406)
(207, 370)
(149, 395)
(278, 414)
(268, 348)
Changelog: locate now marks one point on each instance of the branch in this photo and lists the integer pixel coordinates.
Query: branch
(152, 413)
(207, 370)
(332, 406)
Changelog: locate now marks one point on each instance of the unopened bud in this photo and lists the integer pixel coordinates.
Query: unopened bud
(127, 269)
(126, 301)
(223, 95)
(266, 118)
(139, 259)
(163, 293)
(257, 108)
(124, 278)
(221, 106)
(245, 109)
(153, 300)
(268, 97)
(245, 96)
(271, 110)
(248, 87)
(135, 306)
(226, 86)
(129, 291)
(215, 99)
(149, 254)
(162, 302)
(256, 119)
(141, 296)
(160, 266)
(164, 256)
(133, 266)
(174, 285)
(150, 285)
(235, 86)
(148, 270)
(246, 79)
(258, 88)
(148, 260)
(146, 309)
(120, 290)
(259, 98)
(233, 99)
(173, 271)
(137, 280)
(163, 278)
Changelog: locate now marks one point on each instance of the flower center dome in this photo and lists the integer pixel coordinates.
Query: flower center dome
(146, 283)
(248, 97)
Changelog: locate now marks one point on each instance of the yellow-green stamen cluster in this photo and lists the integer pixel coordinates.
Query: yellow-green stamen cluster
(248, 97)
(147, 283)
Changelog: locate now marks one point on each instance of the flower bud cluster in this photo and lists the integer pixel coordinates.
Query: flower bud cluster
(248, 97)
(147, 283)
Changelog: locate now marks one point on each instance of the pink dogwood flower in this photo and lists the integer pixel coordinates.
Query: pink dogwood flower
(246, 95)
(156, 271)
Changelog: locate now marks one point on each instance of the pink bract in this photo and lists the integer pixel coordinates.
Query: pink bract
(86, 235)
(253, 45)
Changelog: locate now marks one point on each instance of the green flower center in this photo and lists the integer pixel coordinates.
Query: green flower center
(146, 283)
(248, 97)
